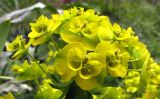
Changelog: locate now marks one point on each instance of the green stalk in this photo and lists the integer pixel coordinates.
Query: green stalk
(48, 75)
(50, 37)
(54, 43)
(134, 69)
(37, 82)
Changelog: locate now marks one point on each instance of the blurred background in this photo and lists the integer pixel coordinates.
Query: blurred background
(15, 15)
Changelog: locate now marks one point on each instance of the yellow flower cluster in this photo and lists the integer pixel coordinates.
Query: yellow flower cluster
(94, 50)
(73, 61)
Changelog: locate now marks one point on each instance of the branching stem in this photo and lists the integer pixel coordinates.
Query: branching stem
(48, 75)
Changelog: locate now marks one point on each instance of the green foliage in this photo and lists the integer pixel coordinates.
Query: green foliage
(4, 30)
(28, 71)
(47, 92)
(7, 96)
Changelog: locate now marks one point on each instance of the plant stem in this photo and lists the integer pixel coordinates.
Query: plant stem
(134, 69)
(50, 37)
(54, 43)
(37, 82)
(53, 81)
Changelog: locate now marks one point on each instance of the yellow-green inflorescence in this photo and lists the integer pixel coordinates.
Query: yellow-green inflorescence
(18, 46)
(94, 51)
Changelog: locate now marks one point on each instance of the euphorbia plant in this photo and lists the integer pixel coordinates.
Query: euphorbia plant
(90, 59)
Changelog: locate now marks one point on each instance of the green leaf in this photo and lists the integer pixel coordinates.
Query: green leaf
(110, 81)
(59, 84)
(51, 8)
(45, 91)
(27, 71)
(6, 77)
(143, 81)
(4, 31)
(42, 52)
(8, 96)
(77, 93)
(110, 93)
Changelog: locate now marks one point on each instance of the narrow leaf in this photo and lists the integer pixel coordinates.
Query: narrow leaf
(8, 96)
(4, 31)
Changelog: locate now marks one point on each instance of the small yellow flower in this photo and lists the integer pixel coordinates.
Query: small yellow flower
(43, 28)
(73, 12)
(18, 46)
(121, 34)
(74, 58)
(132, 81)
(116, 58)
(93, 67)
(19, 42)
(105, 30)
(83, 28)
(141, 54)
(69, 60)
(73, 62)
(17, 69)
